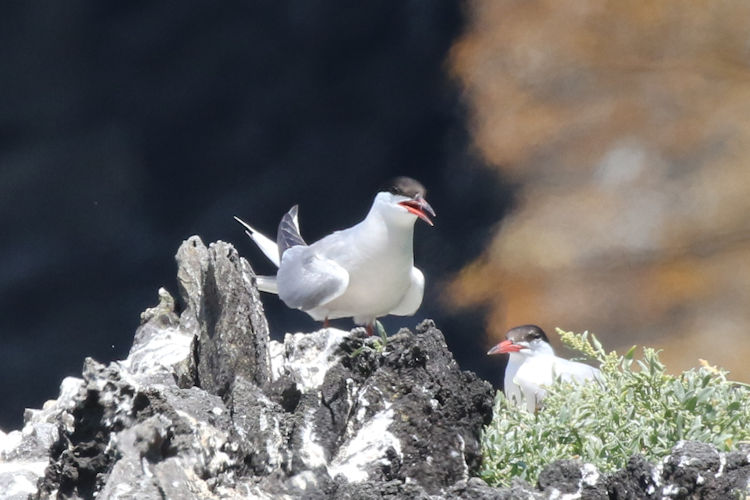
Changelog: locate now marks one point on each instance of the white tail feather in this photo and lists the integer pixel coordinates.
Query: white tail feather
(266, 245)
(267, 284)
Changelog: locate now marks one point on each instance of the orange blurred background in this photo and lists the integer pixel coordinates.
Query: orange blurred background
(626, 127)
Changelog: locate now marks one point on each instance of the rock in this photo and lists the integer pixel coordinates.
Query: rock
(476, 489)
(225, 314)
(692, 470)
(430, 411)
(206, 407)
(24, 454)
(572, 478)
(639, 479)
(161, 350)
(699, 470)
(205, 400)
(374, 490)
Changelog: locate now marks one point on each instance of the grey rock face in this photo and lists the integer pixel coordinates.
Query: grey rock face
(206, 407)
(224, 313)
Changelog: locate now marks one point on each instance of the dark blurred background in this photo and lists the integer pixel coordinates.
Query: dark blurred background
(127, 127)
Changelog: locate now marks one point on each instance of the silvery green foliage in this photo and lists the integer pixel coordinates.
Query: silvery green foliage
(636, 408)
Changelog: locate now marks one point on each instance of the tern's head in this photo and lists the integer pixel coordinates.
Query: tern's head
(526, 340)
(403, 200)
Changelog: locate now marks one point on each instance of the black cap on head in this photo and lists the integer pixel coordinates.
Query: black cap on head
(405, 186)
(526, 333)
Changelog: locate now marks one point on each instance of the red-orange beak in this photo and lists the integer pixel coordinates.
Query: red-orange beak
(419, 207)
(505, 347)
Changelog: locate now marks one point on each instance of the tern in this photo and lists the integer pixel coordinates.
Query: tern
(363, 272)
(533, 366)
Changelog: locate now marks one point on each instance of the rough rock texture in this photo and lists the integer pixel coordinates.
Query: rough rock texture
(205, 406)
(224, 313)
(693, 470)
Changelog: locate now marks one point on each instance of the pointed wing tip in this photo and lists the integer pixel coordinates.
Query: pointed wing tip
(294, 212)
(287, 234)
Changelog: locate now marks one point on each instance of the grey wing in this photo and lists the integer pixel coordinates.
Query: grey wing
(573, 371)
(306, 280)
(288, 234)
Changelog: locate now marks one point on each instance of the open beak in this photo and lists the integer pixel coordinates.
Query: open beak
(419, 207)
(505, 347)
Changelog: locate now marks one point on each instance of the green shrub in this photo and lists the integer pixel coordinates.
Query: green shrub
(636, 408)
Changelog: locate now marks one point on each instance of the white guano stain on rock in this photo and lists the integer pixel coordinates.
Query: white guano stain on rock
(723, 463)
(589, 477)
(276, 355)
(311, 453)
(367, 446)
(247, 492)
(9, 442)
(554, 494)
(304, 480)
(304, 358)
(558, 495)
(465, 466)
(590, 474)
(670, 490)
(20, 485)
(69, 389)
(207, 445)
(35, 467)
(656, 477)
(274, 444)
(686, 461)
(160, 353)
(24, 453)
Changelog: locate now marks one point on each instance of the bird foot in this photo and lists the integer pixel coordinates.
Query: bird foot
(376, 326)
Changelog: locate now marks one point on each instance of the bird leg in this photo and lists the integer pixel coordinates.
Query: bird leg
(369, 329)
(326, 323)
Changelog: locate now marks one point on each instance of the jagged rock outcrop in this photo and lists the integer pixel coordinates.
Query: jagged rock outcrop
(206, 406)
